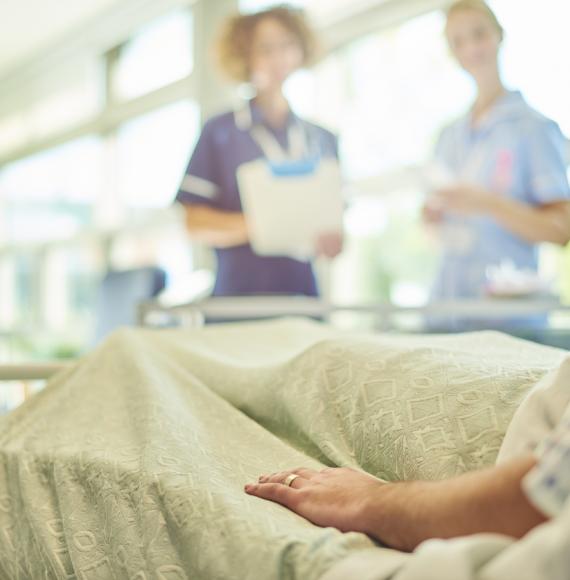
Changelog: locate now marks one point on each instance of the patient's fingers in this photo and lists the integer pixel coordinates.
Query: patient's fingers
(282, 475)
(273, 492)
(278, 492)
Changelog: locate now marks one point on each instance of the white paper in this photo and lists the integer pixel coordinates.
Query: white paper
(286, 214)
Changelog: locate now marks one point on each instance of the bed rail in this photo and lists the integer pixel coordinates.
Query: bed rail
(31, 371)
(195, 314)
(254, 307)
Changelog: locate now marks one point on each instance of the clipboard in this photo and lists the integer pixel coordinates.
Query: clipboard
(288, 205)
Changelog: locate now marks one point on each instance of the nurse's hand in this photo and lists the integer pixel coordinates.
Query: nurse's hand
(431, 214)
(467, 200)
(329, 244)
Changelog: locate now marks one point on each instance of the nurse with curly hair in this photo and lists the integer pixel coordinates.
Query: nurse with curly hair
(262, 49)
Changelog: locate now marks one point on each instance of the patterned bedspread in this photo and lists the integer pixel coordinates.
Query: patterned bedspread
(132, 463)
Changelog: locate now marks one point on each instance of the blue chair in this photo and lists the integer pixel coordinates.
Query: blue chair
(120, 294)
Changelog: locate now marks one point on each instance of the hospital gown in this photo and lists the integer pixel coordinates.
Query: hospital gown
(548, 484)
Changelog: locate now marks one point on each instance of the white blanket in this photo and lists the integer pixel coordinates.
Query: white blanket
(132, 463)
(543, 554)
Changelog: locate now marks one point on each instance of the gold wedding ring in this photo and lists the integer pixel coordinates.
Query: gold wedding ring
(290, 479)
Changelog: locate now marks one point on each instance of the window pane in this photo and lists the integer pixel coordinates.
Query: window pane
(153, 151)
(62, 110)
(14, 132)
(386, 98)
(539, 68)
(50, 195)
(67, 99)
(160, 54)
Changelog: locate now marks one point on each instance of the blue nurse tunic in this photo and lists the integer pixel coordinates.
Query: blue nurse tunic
(515, 152)
(225, 144)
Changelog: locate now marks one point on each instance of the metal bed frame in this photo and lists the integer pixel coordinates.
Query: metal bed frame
(197, 314)
(256, 307)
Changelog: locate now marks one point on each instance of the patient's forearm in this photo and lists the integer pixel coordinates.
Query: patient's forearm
(405, 514)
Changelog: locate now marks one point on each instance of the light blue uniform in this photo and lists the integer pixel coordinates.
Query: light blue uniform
(515, 152)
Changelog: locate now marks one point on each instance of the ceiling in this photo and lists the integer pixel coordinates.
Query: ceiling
(28, 27)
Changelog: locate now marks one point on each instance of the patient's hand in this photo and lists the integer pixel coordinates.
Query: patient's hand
(332, 497)
(404, 514)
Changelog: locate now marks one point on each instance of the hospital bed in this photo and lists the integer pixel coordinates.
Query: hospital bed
(154, 313)
(131, 463)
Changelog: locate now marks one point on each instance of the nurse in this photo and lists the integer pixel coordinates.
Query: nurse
(509, 188)
(262, 49)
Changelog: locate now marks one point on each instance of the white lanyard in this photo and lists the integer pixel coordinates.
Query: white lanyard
(272, 149)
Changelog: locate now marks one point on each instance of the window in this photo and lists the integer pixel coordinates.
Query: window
(158, 55)
(535, 56)
(68, 98)
(14, 131)
(152, 154)
(96, 181)
(388, 95)
(50, 195)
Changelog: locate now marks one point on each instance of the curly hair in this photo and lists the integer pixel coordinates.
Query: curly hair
(234, 44)
(479, 6)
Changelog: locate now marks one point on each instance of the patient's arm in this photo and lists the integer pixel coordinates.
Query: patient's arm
(404, 514)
